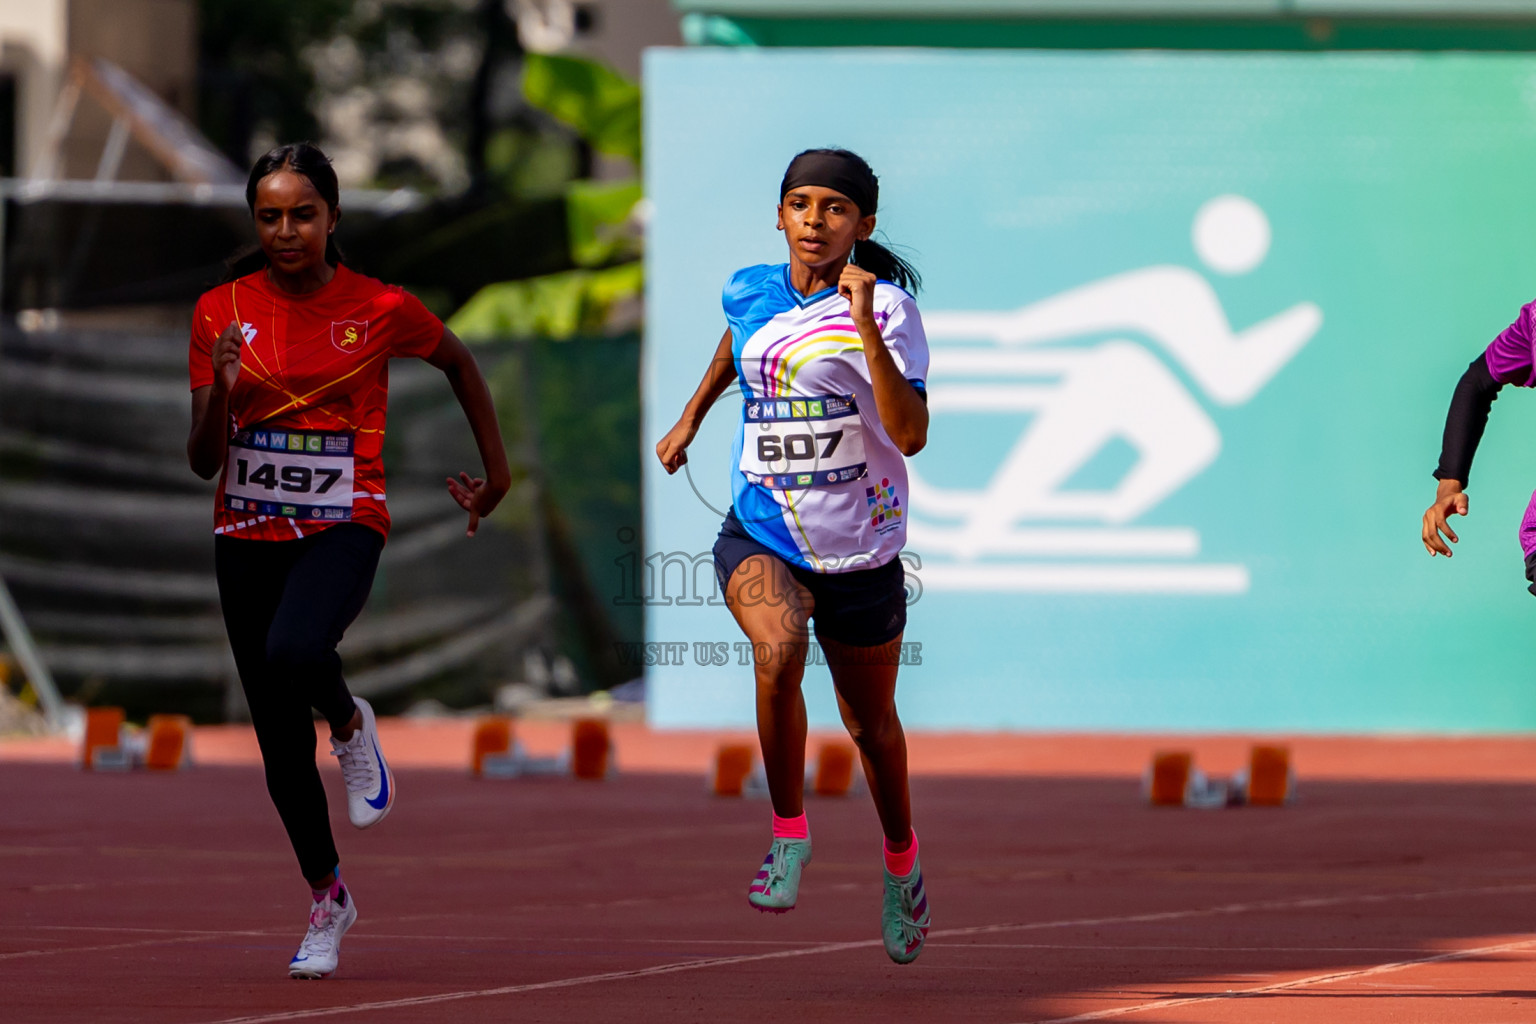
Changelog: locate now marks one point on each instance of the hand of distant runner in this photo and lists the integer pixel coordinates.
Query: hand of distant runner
(475, 496)
(226, 358)
(1449, 500)
(672, 450)
(857, 285)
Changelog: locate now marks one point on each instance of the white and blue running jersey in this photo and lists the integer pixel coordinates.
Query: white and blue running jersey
(815, 478)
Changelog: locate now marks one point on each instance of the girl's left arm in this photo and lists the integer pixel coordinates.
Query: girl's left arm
(903, 413)
(479, 496)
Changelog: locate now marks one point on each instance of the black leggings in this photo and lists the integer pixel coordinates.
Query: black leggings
(286, 605)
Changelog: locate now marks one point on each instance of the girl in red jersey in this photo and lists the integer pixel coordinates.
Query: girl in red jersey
(289, 367)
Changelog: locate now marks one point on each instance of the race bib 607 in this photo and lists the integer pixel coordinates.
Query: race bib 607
(802, 442)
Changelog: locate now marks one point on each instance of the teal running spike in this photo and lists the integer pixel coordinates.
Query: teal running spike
(777, 883)
(904, 920)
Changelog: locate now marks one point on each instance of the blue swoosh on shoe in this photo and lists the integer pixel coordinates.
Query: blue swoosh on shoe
(381, 801)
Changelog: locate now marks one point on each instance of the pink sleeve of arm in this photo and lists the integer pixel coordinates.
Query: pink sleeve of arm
(1509, 356)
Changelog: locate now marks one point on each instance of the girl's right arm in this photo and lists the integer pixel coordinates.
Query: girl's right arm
(672, 449)
(1464, 425)
(208, 444)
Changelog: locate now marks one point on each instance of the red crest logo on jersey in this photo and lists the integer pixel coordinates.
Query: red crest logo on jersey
(349, 335)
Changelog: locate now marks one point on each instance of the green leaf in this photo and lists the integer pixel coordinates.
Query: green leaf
(597, 215)
(553, 306)
(601, 104)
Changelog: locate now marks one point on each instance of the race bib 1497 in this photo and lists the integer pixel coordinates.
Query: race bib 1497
(296, 475)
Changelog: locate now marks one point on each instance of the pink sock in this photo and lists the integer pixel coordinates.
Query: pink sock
(791, 828)
(333, 890)
(901, 864)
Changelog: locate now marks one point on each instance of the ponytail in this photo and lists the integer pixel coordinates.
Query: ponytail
(301, 158)
(870, 255)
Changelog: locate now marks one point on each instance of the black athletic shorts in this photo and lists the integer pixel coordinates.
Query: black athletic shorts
(861, 608)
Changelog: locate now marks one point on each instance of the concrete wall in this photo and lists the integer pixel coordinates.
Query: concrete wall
(33, 45)
(623, 28)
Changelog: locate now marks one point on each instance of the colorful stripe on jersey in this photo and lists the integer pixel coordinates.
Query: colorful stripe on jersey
(781, 362)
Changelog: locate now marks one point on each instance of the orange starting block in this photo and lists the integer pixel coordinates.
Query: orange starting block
(833, 774)
(168, 742)
(1269, 781)
(497, 754)
(1167, 778)
(103, 732)
(1172, 780)
(591, 748)
(111, 744)
(738, 772)
(493, 737)
(733, 769)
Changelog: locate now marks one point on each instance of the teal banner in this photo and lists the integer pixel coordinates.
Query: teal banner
(1194, 320)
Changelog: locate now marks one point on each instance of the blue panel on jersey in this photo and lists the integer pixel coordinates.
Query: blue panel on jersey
(752, 297)
(760, 514)
(763, 518)
(755, 295)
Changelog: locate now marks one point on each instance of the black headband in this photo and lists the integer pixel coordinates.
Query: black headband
(839, 173)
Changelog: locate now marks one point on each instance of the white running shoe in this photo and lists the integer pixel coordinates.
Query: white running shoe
(321, 948)
(370, 785)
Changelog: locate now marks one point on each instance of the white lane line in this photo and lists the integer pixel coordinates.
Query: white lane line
(127, 929)
(1312, 903)
(1316, 979)
(669, 941)
(165, 941)
(787, 943)
(586, 979)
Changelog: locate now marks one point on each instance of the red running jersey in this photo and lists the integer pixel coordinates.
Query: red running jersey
(307, 412)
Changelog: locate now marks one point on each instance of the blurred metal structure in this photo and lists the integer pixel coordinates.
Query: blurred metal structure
(19, 638)
(135, 112)
(40, 40)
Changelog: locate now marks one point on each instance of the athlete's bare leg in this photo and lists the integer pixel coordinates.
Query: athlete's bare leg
(865, 679)
(772, 609)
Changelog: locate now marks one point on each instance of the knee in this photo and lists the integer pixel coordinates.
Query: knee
(779, 666)
(874, 731)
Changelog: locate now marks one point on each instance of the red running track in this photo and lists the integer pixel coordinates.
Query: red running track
(1392, 896)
